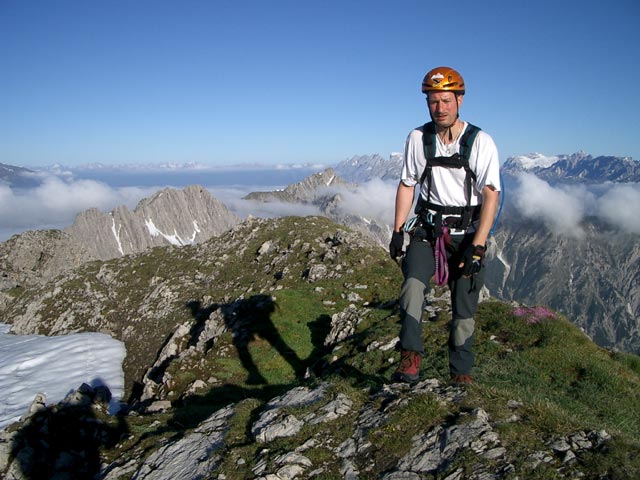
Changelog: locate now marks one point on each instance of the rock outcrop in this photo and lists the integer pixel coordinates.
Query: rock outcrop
(305, 191)
(169, 217)
(199, 453)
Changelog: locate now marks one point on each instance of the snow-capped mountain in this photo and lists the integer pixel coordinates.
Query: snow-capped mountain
(577, 167)
(362, 168)
(532, 161)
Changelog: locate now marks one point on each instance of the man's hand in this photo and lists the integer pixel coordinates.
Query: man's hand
(472, 260)
(397, 242)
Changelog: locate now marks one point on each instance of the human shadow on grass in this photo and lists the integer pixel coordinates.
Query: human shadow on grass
(249, 320)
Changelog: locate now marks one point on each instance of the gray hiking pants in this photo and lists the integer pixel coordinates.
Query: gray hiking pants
(418, 268)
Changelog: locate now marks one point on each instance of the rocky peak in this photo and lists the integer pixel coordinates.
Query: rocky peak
(304, 191)
(18, 177)
(169, 217)
(577, 167)
(362, 168)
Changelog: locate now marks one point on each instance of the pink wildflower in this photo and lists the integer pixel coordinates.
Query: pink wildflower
(534, 314)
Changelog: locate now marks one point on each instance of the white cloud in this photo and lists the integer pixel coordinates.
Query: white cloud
(619, 207)
(60, 197)
(373, 200)
(563, 208)
(56, 202)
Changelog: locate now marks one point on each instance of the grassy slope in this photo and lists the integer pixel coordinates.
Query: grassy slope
(564, 381)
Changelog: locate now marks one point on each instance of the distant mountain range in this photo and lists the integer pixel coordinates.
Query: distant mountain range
(18, 177)
(594, 280)
(578, 167)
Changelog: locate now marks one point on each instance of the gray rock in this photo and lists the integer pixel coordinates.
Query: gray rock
(298, 397)
(159, 406)
(194, 456)
(437, 447)
(274, 424)
(343, 324)
(334, 409)
(317, 272)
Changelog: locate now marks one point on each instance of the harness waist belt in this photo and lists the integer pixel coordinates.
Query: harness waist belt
(466, 215)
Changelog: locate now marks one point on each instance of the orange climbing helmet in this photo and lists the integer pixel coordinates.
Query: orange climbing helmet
(443, 79)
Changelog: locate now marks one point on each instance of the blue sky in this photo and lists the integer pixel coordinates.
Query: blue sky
(227, 82)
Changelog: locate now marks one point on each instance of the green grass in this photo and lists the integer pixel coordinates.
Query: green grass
(565, 383)
(558, 371)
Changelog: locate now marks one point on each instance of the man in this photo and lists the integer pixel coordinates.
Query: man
(457, 168)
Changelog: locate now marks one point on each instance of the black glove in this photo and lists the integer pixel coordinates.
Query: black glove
(395, 247)
(472, 259)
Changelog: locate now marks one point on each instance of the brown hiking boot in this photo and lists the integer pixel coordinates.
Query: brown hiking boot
(461, 379)
(409, 369)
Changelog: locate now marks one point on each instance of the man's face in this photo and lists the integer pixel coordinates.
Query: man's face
(444, 107)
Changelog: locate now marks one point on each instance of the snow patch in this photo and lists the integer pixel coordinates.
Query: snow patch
(535, 160)
(116, 234)
(507, 266)
(56, 366)
(173, 239)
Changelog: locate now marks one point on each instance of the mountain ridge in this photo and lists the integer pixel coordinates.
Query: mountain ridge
(613, 326)
(168, 217)
(578, 167)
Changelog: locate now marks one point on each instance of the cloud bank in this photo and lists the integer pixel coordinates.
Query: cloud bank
(373, 200)
(56, 201)
(60, 197)
(563, 208)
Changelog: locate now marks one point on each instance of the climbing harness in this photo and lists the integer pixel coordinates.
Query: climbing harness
(441, 219)
(467, 213)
